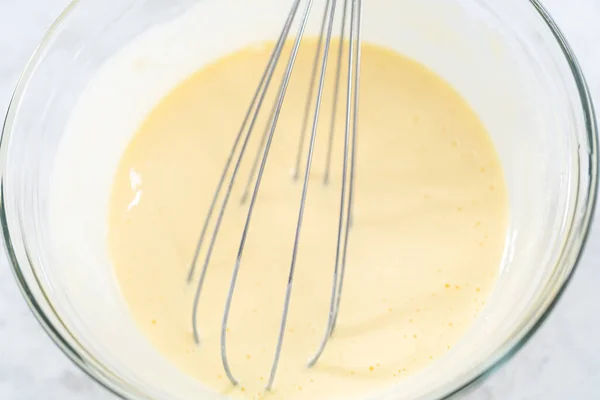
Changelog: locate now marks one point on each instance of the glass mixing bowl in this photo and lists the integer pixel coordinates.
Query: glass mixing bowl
(508, 59)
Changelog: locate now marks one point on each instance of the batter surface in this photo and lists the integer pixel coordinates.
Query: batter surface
(429, 226)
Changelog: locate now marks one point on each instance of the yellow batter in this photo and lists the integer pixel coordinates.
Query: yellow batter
(428, 234)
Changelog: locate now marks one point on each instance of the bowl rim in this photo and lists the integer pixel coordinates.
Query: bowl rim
(114, 384)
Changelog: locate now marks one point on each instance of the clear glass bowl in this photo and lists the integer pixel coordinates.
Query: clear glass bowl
(508, 59)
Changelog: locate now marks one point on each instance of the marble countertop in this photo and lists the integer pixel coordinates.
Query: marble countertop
(562, 361)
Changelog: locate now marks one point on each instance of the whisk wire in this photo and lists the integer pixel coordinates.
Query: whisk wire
(350, 209)
(276, 51)
(237, 265)
(336, 92)
(260, 95)
(338, 255)
(331, 12)
(260, 161)
(256, 161)
(311, 88)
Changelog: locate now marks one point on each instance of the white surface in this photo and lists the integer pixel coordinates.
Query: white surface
(562, 360)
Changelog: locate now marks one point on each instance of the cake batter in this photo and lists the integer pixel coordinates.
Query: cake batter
(429, 226)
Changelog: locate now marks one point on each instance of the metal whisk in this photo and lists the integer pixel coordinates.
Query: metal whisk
(355, 11)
